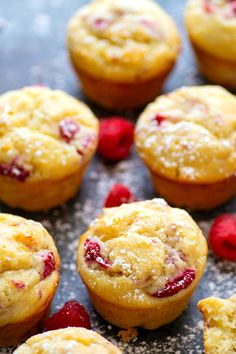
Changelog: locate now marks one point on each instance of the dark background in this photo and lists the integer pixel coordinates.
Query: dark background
(33, 51)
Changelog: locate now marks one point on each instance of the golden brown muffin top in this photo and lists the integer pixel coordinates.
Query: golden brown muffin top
(123, 40)
(220, 324)
(212, 26)
(44, 134)
(29, 265)
(68, 341)
(133, 253)
(189, 135)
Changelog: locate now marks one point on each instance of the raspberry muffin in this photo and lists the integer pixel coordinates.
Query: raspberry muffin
(122, 50)
(211, 25)
(46, 141)
(187, 140)
(220, 325)
(141, 263)
(68, 341)
(29, 269)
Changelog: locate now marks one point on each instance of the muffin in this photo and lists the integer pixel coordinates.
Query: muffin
(46, 141)
(211, 25)
(122, 50)
(141, 263)
(187, 140)
(68, 341)
(29, 268)
(220, 325)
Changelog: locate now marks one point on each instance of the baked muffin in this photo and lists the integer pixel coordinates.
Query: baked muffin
(68, 341)
(141, 263)
(29, 268)
(122, 50)
(211, 25)
(220, 325)
(46, 141)
(187, 140)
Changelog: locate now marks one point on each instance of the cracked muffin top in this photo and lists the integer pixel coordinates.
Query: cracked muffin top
(189, 135)
(220, 324)
(70, 340)
(140, 252)
(29, 265)
(123, 40)
(212, 26)
(44, 134)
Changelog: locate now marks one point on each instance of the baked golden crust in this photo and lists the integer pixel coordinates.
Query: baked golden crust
(195, 140)
(142, 246)
(70, 340)
(30, 130)
(123, 41)
(29, 273)
(212, 27)
(47, 139)
(219, 324)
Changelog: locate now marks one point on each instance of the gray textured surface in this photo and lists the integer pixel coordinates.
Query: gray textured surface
(32, 39)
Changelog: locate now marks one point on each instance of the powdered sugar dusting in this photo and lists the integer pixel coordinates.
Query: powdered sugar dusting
(49, 65)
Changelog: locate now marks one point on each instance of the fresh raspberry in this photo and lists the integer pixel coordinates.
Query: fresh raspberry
(14, 171)
(177, 284)
(115, 138)
(222, 236)
(18, 284)
(49, 264)
(208, 7)
(93, 254)
(72, 314)
(68, 128)
(159, 118)
(118, 195)
(233, 6)
(100, 24)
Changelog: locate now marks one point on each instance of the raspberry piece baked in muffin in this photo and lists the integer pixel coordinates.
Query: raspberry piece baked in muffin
(29, 274)
(122, 50)
(141, 263)
(211, 25)
(47, 139)
(219, 324)
(187, 140)
(68, 341)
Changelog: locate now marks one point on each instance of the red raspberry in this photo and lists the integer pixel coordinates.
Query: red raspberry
(177, 284)
(159, 118)
(222, 236)
(73, 314)
(118, 195)
(49, 264)
(93, 254)
(208, 6)
(115, 138)
(14, 171)
(101, 23)
(68, 128)
(233, 6)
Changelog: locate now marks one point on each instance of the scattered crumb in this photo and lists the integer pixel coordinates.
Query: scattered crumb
(127, 335)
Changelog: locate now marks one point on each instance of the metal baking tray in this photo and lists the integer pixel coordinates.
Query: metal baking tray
(32, 38)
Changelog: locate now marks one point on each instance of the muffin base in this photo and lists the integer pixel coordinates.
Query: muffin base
(114, 95)
(194, 196)
(216, 70)
(41, 195)
(16, 333)
(150, 318)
